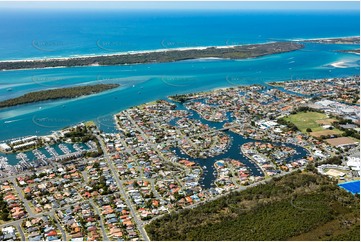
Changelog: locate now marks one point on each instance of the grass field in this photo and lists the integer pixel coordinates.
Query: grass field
(312, 120)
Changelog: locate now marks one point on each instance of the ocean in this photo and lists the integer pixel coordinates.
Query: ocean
(31, 35)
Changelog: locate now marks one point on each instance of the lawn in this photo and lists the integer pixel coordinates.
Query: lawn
(304, 120)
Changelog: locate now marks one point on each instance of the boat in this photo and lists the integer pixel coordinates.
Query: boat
(204, 167)
(64, 149)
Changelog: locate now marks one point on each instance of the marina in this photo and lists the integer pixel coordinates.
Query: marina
(43, 156)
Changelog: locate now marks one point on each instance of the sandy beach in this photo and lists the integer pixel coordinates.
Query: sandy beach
(339, 64)
(131, 52)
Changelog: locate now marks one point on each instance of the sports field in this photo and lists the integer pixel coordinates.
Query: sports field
(312, 120)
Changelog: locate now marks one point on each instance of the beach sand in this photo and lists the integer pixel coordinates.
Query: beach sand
(339, 64)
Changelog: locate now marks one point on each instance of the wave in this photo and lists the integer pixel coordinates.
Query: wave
(12, 121)
(130, 52)
(343, 64)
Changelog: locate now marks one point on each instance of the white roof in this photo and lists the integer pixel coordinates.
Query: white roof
(354, 163)
(325, 102)
(8, 230)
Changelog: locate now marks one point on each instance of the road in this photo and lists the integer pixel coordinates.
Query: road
(120, 187)
(20, 231)
(59, 227)
(140, 224)
(105, 237)
(21, 196)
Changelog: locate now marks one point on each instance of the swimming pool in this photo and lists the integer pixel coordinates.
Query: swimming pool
(352, 186)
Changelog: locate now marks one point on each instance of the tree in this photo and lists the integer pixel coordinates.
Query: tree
(308, 130)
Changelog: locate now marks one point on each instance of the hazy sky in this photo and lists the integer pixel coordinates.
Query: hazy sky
(247, 5)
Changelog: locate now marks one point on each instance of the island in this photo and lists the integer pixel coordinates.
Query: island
(59, 93)
(158, 56)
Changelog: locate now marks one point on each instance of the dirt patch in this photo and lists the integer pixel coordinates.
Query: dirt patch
(326, 121)
(326, 132)
(341, 141)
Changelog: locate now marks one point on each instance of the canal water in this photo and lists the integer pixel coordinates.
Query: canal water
(12, 160)
(233, 151)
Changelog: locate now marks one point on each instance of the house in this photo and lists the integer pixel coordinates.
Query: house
(51, 233)
(112, 220)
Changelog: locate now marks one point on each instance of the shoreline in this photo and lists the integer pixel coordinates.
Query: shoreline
(169, 97)
(233, 52)
(339, 64)
(130, 52)
(56, 94)
(324, 38)
(165, 49)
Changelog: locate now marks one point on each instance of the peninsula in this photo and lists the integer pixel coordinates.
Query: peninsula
(342, 40)
(157, 56)
(59, 93)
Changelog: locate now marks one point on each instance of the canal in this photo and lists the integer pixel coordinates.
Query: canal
(233, 151)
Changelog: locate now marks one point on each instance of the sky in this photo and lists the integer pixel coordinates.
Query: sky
(211, 5)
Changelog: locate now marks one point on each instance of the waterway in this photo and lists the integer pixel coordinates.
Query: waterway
(233, 151)
(12, 160)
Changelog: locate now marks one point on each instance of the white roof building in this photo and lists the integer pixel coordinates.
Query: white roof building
(354, 163)
(325, 103)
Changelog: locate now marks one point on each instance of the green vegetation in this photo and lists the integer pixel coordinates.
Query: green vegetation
(180, 98)
(290, 206)
(238, 52)
(346, 132)
(289, 125)
(84, 134)
(4, 211)
(305, 120)
(60, 93)
(312, 122)
(335, 160)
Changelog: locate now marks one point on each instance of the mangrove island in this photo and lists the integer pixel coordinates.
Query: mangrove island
(59, 93)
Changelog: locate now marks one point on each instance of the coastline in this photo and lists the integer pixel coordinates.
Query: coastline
(130, 52)
(159, 56)
(163, 50)
(324, 38)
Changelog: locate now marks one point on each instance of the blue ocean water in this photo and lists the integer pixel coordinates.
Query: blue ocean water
(49, 33)
(62, 34)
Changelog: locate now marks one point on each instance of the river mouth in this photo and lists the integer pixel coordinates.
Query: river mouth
(233, 151)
